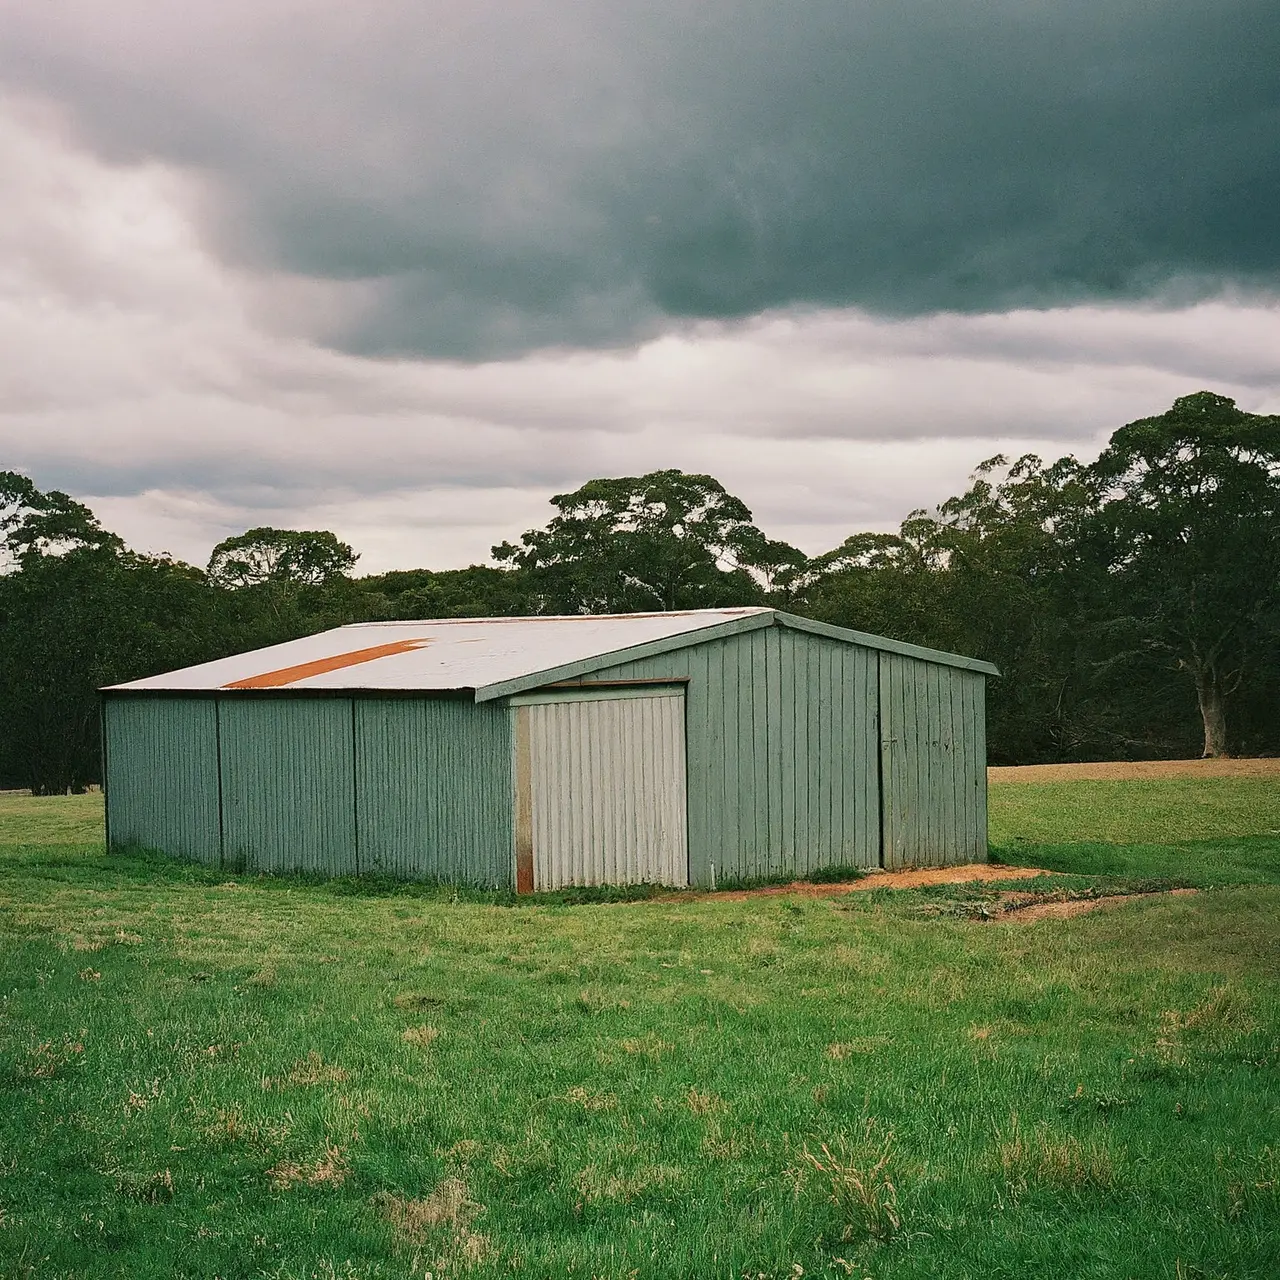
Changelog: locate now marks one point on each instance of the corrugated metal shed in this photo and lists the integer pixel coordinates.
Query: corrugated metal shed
(163, 770)
(499, 751)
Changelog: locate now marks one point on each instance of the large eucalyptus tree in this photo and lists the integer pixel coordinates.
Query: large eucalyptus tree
(1188, 522)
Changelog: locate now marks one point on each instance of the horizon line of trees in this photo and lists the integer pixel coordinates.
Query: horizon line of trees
(1132, 604)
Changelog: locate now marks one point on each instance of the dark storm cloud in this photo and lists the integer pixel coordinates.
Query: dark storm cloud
(504, 176)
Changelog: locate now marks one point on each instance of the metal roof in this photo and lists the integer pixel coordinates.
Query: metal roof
(491, 656)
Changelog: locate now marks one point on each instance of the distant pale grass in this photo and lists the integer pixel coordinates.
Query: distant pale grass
(72, 820)
(1134, 811)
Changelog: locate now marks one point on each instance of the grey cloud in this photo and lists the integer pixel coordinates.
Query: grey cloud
(505, 177)
(186, 401)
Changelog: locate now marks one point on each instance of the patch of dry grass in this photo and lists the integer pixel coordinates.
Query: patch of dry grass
(857, 1183)
(590, 1100)
(440, 1223)
(1224, 1016)
(717, 1144)
(46, 1059)
(842, 1049)
(647, 1046)
(423, 1036)
(705, 1104)
(595, 1185)
(329, 1170)
(313, 1070)
(1059, 1162)
(155, 1188)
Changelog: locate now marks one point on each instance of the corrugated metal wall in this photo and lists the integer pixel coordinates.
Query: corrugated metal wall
(417, 788)
(933, 737)
(288, 785)
(606, 783)
(782, 743)
(162, 755)
(434, 789)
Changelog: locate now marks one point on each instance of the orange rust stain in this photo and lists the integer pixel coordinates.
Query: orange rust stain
(287, 675)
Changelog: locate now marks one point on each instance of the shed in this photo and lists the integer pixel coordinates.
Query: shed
(533, 753)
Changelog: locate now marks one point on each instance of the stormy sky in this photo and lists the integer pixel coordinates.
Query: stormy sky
(404, 268)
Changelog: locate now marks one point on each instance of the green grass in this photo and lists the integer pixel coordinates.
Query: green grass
(1193, 831)
(64, 820)
(1202, 864)
(211, 1076)
(1136, 811)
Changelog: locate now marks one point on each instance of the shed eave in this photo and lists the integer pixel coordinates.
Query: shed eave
(870, 641)
(285, 691)
(597, 662)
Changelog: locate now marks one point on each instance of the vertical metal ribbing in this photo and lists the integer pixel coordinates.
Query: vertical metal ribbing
(217, 746)
(524, 803)
(879, 706)
(106, 798)
(607, 798)
(355, 793)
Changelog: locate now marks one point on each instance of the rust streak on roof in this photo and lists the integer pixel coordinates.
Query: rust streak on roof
(287, 675)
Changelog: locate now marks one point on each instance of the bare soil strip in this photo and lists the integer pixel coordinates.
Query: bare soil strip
(1013, 906)
(1130, 770)
(1014, 913)
(888, 880)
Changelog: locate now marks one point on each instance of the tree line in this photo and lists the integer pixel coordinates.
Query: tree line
(1132, 604)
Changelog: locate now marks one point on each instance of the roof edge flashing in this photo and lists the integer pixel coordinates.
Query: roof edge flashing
(883, 643)
(727, 614)
(753, 621)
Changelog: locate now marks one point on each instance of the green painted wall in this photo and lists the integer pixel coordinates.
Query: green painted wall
(288, 785)
(162, 766)
(782, 735)
(434, 789)
(409, 787)
(934, 758)
(787, 756)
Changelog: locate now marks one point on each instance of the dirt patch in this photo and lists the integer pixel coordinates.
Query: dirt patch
(1017, 913)
(1130, 770)
(912, 879)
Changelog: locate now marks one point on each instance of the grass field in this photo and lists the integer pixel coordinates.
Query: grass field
(204, 1077)
(1144, 810)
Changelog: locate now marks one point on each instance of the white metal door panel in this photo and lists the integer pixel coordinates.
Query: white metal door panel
(607, 791)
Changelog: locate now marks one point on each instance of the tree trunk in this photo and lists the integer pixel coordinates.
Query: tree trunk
(1213, 711)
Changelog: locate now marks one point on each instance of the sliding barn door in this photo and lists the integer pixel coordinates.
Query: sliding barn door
(600, 779)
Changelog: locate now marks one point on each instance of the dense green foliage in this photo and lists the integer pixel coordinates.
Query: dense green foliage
(267, 1077)
(1132, 605)
(662, 541)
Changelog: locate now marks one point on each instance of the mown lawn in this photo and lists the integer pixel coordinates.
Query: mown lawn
(204, 1077)
(1139, 810)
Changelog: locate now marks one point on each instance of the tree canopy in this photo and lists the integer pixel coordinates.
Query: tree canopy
(34, 525)
(308, 557)
(666, 540)
(1132, 604)
(1188, 524)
